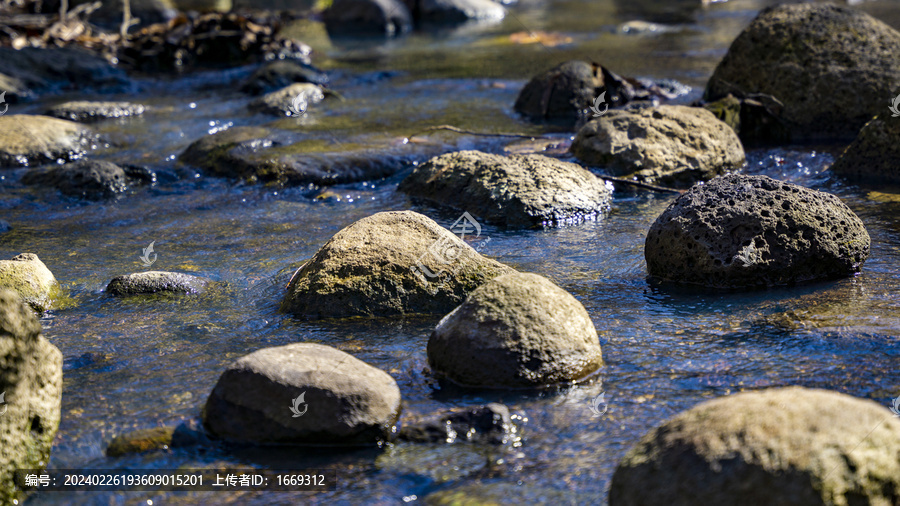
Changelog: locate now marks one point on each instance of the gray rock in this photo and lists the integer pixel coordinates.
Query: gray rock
(454, 11)
(86, 178)
(832, 67)
(562, 93)
(782, 447)
(875, 154)
(303, 394)
(31, 279)
(31, 380)
(88, 112)
(279, 74)
(489, 424)
(669, 144)
(257, 154)
(31, 140)
(515, 190)
(39, 70)
(156, 281)
(753, 231)
(389, 263)
(516, 331)
(389, 17)
(292, 100)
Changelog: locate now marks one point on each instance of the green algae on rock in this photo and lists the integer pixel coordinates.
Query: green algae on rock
(31, 279)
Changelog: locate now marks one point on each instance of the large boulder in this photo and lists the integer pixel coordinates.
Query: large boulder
(515, 190)
(741, 231)
(85, 178)
(31, 391)
(346, 17)
(303, 394)
(155, 282)
(89, 112)
(257, 154)
(831, 67)
(561, 94)
(31, 279)
(875, 154)
(387, 264)
(516, 331)
(781, 447)
(669, 144)
(31, 140)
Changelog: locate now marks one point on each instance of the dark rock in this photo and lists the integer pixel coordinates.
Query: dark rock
(302, 394)
(374, 267)
(87, 178)
(516, 331)
(280, 74)
(454, 11)
(88, 112)
(515, 190)
(27, 140)
(156, 281)
(754, 117)
(489, 424)
(669, 144)
(787, 446)
(875, 154)
(388, 17)
(832, 67)
(753, 231)
(4, 226)
(41, 70)
(31, 379)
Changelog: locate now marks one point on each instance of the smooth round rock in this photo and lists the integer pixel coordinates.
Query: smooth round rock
(355, 17)
(291, 100)
(29, 140)
(88, 112)
(781, 447)
(669, 144)
(833, 68)
(345, 402)
(741, 231)
(514, 191)
(31, 279)
(390, 263)
(156, 281)
(562, 93)
(85, 178)
(516, 331)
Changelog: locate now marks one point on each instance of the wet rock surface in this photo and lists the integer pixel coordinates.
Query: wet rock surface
(35, 71)
(490, 424)
(155, 282)
(454, 11)
(31, 378)
(89, 112)
(302, 394)
(31, 140)
(351, 17)
(874, 155)
(832, 67)
(516, 331)
(87, 178)
(291, 100)
(515, 190)
(391, 263)
(280, 74)
(792, 445)
(672, 145)
(741, 231)
(31, 279)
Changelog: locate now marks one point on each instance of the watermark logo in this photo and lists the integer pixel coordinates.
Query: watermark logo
(299, 104)
(599, 405)
(895, 106)
(895, 407)
(295, 407)
(145, 258)
(3, 101)
(447, 252)
(3, 403)
(596, 107)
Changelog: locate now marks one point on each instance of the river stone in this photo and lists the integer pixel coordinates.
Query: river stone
(88, 112)
(875, 154)
(832, 67)
(782, 447)
(515, 190)
(31, 279)
(31, 384)
(669, 144)
(279, 74)
(86, 178)
(27, 140)
(741, 231)
(454, 11)
(342, 401)
(353, 17)
(38, 70)
(374, 267)
(139, 441)
(285, 102)
(488, 424)
(562, 93)
(518, 330)
(156, 281)
(256, 154)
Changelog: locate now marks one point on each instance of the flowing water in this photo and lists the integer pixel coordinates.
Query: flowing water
(146, 362)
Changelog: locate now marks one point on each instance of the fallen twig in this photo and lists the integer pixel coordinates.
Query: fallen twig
(482, 134)
(638, 184)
